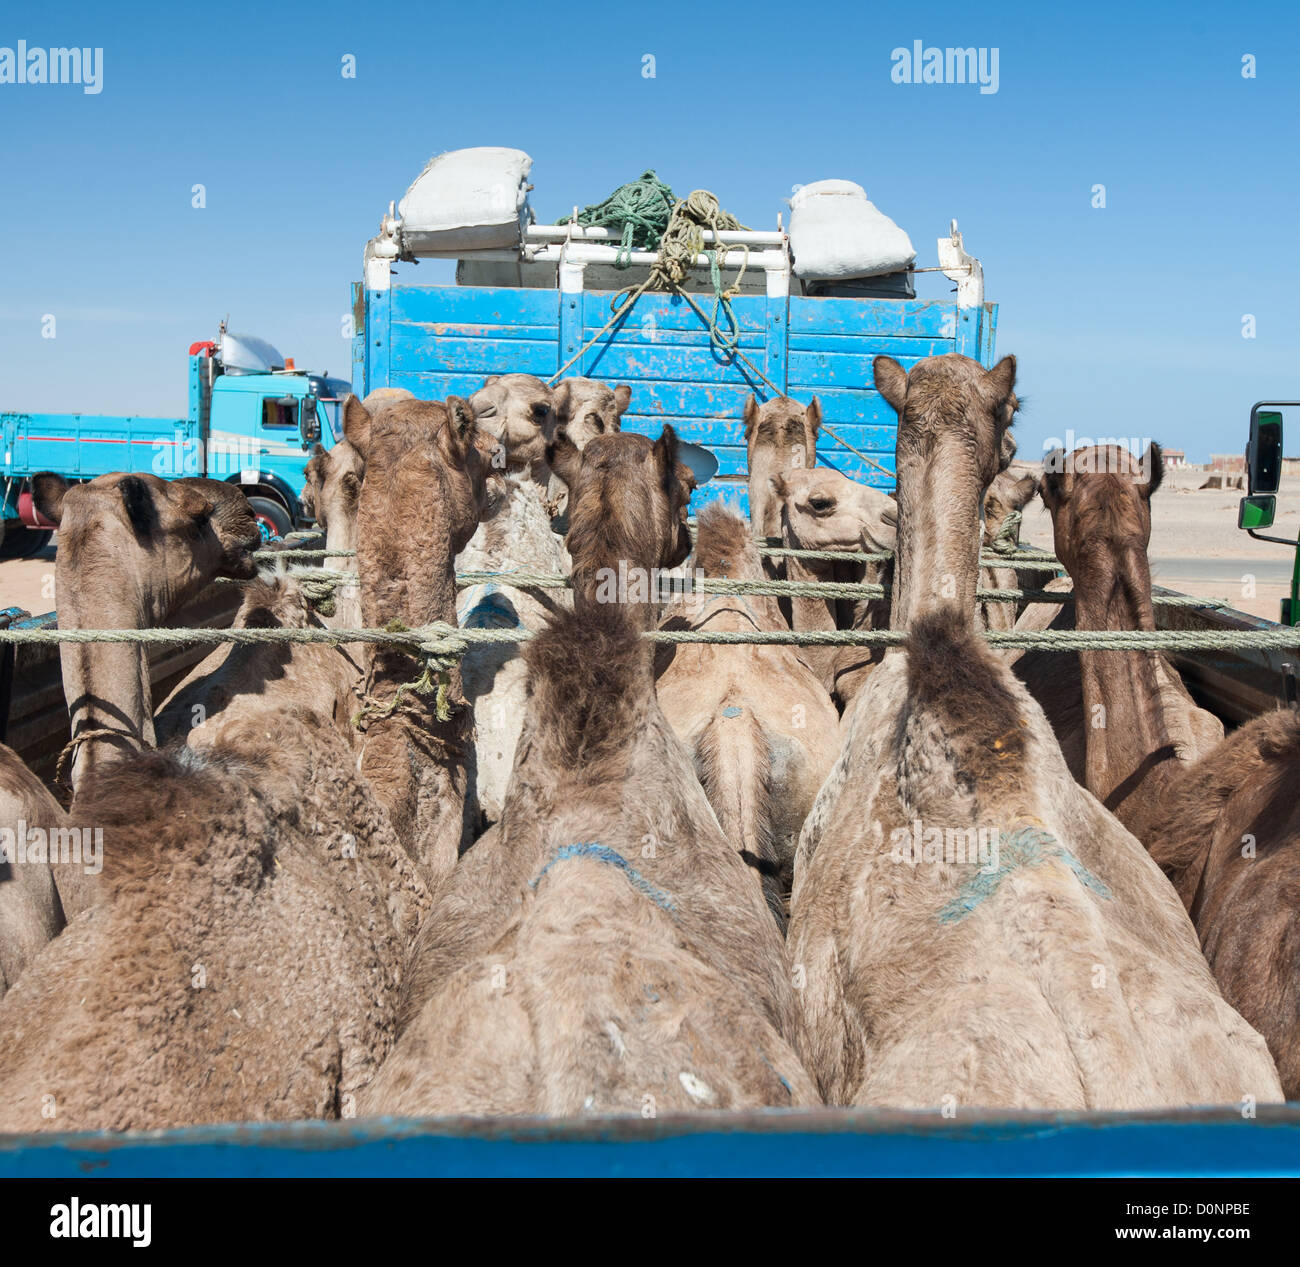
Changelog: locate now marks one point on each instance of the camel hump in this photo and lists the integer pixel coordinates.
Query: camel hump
(956, 683)
(590, 675)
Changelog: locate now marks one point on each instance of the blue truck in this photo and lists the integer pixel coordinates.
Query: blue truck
(253, 420)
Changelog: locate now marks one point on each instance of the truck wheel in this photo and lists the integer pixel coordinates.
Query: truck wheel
(22, 543)
(271, 517)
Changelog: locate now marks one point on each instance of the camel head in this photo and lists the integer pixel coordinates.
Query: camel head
(784, 427)
(332, 484)
(954, 437)
(824, 510)
(586, 408)
(162, 540)
(628, 501)
(1100, 502)
(425, 463)
(519, 411)
(1011, 490)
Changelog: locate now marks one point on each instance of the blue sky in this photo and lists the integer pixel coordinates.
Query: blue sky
(1126, 320)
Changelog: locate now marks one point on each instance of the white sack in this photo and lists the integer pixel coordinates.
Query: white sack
(469, 200)
(836, 234)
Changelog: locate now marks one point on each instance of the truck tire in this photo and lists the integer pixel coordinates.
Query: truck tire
(21, 543)
(271, 516)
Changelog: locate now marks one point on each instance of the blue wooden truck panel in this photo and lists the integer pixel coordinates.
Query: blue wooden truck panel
(444, 340)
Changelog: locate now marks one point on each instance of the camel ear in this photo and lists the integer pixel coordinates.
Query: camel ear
(356, 425)
(490, 379)
(751, 415)
(461, 413)
(665, 451)
(1024, 489)
(137, 503)
(622, 398)
(561, 392)
(779, 487)
(48, 492)
(1153, 461)
(318, 450)
(563, 458)
(813, 417)
(891, 381)
(1054, 487)
(1001, 379)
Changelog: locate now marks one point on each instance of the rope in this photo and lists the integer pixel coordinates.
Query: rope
(442, 640)
(1007, 538)
(640, 210)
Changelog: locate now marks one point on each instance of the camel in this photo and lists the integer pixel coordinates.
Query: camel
(780, 437)
(758, 724)
(519, 410)
(584, 408)
(244, 958)
(133, 550)
(821, 509)
(30, 908)
(1049, 966)
(332, 489)
(515, 535)
(426, 487)
(1009, 493)
(604, 949)
(1117, 714)
(1218, 815)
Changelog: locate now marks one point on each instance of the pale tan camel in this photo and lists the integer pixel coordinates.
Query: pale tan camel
(426, 487)
(332, 489)
(780, 437)
(584, 408)
(821, 509)
(244, 959)
(760, 727)
(1059, 972)
(133, 550)
(1220, 817)
(519, 410)
(515, 535)
(30, 908)
(604, 949)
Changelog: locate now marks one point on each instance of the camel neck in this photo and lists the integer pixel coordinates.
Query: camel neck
(1127, 735)
(937, 558)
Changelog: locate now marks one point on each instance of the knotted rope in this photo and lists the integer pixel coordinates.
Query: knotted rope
(639, 210)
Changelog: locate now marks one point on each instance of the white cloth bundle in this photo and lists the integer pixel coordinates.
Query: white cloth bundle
(836, 234)
(469, 200)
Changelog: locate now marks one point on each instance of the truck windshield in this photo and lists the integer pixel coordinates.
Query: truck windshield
(333, 411)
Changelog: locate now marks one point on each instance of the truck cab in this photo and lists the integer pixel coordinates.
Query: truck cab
(253, 420)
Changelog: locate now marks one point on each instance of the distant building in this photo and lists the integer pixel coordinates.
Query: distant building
(1235, 463)
(1174, 457)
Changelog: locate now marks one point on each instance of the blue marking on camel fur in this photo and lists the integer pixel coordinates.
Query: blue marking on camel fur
(602, 853)
(1029, 847)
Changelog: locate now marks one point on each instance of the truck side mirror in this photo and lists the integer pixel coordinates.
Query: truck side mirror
(1264, 452)
(309, 421)
(1256, 511)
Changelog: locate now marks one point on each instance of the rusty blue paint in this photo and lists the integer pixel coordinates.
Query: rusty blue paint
(795, 1142)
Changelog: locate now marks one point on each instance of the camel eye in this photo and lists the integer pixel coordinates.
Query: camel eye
(540, 411)
(822, 504)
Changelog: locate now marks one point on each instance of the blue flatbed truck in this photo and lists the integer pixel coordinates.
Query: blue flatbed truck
(252, 421)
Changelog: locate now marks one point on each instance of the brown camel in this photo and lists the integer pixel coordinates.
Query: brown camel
(620, 515)
(133, 550)
(780, 437)
(759, 726)
(30, 908)
(425, 490)
(1048, 966)
(604, 949)
(244, 959)
(1219, 815)
(821, 509)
